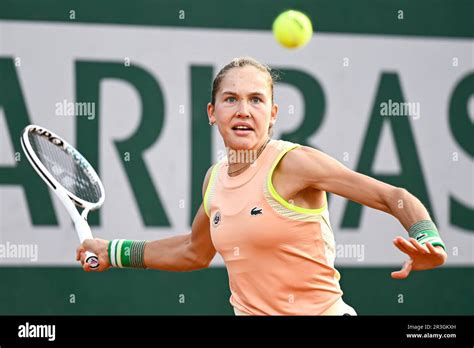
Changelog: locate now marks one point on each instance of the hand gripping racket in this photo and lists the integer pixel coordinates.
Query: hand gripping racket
(70, 176)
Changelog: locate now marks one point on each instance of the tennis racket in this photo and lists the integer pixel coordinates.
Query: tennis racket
(68, 174)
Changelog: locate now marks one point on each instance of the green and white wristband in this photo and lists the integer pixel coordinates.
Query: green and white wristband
(127, 253)
(425, 231)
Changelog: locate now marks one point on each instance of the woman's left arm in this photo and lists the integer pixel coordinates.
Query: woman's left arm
(323, 172)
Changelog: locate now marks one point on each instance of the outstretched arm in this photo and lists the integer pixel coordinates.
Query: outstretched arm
(187, 252)
(320, 171)
(183, 253)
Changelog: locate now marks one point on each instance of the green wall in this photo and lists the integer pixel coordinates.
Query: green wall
(37, 291)
(435, 18)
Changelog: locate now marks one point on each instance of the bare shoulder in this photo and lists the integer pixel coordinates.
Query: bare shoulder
(302, 153)
(300, 161)
(307, 166)
(290, 174)
(206, 180)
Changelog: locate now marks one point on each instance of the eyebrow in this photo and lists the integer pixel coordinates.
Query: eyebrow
(252, 93)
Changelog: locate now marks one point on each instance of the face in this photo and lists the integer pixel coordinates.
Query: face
(243, 109)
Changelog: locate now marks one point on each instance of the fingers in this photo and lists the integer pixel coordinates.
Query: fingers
(98, 247)
(398, 275)
(438, 252)
(81, 256)
(404, 272)
(79, 250)
(86, 267)
(422, 257)
(432, 249)
(420, 248)
(401, 247)
(90, 245)
(408, 245)
(404, 246)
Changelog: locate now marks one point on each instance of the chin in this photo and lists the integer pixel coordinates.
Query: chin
(241, 143)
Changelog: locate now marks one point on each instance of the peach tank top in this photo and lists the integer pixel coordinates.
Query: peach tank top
(279, 257)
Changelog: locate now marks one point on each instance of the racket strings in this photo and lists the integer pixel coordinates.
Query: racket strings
(67, 167)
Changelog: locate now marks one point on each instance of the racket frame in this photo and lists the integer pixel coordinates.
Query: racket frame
(69, 200)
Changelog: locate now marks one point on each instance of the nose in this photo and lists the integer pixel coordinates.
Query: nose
(242, 110)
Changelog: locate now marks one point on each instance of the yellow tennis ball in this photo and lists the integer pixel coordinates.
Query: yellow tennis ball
(292, 29)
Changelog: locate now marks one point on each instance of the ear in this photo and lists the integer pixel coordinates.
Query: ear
(273, 115)
(211, 113)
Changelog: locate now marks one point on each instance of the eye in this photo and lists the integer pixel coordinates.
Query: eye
(230, 99)
(256, 100)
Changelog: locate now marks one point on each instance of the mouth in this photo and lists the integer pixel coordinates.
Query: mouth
(242, 129)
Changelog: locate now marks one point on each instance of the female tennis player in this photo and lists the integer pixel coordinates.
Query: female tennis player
(265, 211)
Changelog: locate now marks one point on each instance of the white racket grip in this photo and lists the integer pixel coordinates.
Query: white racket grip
(82, 227)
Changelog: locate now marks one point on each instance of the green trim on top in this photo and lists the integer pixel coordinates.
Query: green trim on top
(280, 199)
(209, 186)
(438, 18)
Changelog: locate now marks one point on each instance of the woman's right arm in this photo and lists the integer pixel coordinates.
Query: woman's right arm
(180, 253)
(187, 252)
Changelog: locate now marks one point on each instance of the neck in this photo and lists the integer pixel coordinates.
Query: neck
(239, 160)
